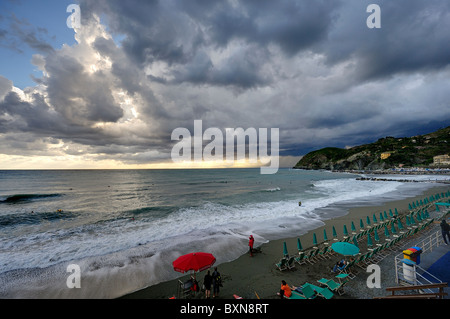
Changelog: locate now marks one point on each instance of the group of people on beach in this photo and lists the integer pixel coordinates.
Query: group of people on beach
(214, 280)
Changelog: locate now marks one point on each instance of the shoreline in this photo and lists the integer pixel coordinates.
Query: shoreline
(257, 276)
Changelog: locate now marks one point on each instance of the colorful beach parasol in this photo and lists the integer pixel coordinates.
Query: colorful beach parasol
(197, 261)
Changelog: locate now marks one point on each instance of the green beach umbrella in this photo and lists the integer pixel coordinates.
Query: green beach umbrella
(409, 206)
(344, 248)
(334, 233)
(400, 225)
(386, 231)
(381, 217)
(385, 215)
(375, 236)
(314, 239)
(285, 251)
(345, 230)
(353, 227)
(374, 219)
(361, 224)
(369, 241)
(393, 230)
(418, 217)
(299, 245)
(325, 237)
(413, 222)
(408, 222)
(390, 213)
(368, 221)
(355, 242)
(396, 212)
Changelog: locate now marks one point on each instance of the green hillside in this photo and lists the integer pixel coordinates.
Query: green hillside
(388, 152)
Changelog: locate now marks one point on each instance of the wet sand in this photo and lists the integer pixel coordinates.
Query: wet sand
(257, 276)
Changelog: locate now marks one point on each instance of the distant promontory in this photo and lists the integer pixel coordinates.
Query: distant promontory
(423, 151)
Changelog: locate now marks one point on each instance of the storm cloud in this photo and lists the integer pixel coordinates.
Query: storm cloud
(314, 69)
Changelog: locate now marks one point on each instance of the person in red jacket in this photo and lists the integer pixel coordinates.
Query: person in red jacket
(251, 241)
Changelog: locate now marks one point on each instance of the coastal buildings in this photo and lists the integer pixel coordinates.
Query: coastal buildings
(441, 160)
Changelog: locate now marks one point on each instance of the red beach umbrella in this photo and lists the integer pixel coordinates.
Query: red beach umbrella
(193, 261)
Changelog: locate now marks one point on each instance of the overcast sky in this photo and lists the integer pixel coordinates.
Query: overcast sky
(110, 92)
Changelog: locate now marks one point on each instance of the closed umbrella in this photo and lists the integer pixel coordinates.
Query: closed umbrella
(374, 219)
(381, 217)
(285, 251)
(369, 241)
(375, 236)
(408, 222)
(361, 224)
(390, 213)
(396, 212)
(299, 245)
(400, 225)
(386, 231)
(368, 221)
(385, 215)
(344, 248)
(355, 242)
(393, 230)
(314, 239)
(334, 233)
(345, 230)
(325, 237)
(353, 227)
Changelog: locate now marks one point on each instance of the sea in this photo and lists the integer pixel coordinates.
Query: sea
(123, 228)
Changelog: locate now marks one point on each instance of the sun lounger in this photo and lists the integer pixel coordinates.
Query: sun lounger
(318, 291)
(282, 264)
(296, 295)
(291, 262)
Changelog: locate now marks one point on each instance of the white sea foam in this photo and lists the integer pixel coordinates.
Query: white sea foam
(138, 252)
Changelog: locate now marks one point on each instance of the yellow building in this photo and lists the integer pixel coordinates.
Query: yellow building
(385, 155)
(441, 159)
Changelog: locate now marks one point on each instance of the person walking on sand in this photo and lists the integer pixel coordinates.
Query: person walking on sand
(207, 281)
(445, 231)
(251, 242)
(216, 282)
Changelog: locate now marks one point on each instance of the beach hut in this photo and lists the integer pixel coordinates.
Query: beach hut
(334, 234)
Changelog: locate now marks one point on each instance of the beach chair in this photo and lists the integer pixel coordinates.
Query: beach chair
(296, 295)
(336, 287)
(323, 292)
(300, 259)
(282, 264)
(291, 262)
(308, 291)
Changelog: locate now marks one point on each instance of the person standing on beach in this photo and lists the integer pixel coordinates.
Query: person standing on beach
(445, 231)
(251, 242)
(207, 281)
(216, 282)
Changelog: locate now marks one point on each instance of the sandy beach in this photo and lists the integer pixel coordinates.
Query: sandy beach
(257, 276)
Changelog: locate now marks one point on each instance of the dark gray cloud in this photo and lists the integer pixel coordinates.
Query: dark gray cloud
(311, 68)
